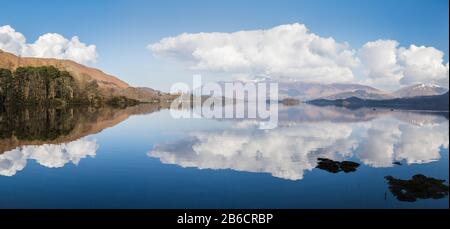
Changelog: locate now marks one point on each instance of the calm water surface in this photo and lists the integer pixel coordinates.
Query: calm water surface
(141, 157)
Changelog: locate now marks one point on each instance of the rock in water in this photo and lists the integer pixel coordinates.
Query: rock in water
(336, 166)
(418, 187)
(349, 166)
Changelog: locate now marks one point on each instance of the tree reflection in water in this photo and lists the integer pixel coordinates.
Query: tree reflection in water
(55, 136)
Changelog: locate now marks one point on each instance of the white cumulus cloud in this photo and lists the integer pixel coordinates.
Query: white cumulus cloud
(49, 45)
(387, 65)
(423, 64)
(290, 51)
(293, 52)
(379, 59)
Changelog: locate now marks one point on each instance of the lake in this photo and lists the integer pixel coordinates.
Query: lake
(141, 157)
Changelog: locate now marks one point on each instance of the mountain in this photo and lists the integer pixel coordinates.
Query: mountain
(432, 102)
(108, 85)
(309, 91)
(304, 91)
(419, 90)
(362, 94)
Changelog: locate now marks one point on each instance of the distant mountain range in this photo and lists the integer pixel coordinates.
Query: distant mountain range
(305, 91)
(406, 92)
(108, 85)
(310, 91)
(429, 102)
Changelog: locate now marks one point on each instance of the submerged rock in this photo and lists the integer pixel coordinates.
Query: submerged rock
(336, 166)
(418, 187)
(349, 166)
(328, 165)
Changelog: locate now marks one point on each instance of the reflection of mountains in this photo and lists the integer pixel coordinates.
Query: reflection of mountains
(288, 115)
(54, 137)
(310, 113)
(376, 138)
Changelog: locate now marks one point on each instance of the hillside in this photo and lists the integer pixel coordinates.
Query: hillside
(108, 85)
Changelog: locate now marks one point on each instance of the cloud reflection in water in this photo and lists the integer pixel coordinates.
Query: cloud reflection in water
(48, 155)
(376, 138)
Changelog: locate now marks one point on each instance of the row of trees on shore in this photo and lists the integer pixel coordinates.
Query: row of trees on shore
(48, 85)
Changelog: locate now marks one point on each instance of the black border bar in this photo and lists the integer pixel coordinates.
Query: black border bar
(319, 218)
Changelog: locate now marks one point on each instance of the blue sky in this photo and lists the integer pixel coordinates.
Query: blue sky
(121, 30)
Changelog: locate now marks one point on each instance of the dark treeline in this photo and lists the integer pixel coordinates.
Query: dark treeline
(49, 86)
